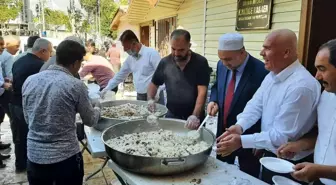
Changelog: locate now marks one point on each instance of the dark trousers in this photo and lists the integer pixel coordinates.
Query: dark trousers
(143, 97)
(4, 105)
(19, 129)
(67, 172)
(266, 175)
(248, 163)
(318, 183)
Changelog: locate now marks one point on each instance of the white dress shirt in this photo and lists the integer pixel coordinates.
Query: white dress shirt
(286, 103)
(325, 148)
(142, 68)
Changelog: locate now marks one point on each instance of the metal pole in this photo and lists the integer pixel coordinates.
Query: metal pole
(98, 13)
(43, 19)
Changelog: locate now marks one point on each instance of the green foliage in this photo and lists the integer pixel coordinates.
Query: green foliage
(107, 11)
(123, 2)
(85, 27)
(76, 16)
(56, 18)
(90, 6)
(9, 9)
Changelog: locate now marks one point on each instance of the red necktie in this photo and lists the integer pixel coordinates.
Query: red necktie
(229, 96)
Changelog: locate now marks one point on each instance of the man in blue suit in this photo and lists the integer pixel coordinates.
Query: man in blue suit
(238, 77)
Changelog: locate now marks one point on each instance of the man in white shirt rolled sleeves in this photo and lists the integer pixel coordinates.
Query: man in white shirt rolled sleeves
(323, 171)
(142, 62)
(286, 103)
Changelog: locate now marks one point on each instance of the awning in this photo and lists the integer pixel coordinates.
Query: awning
(139, 9)
(116, 19)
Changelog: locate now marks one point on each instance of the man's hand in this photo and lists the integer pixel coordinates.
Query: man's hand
(229, 144)
(307, 172)
(7, 86)
(192, 122)
(289, 150)
(234, 129)
(151, 106)
(8, 80)
(95, 103)
(103, 93)
(212, 109)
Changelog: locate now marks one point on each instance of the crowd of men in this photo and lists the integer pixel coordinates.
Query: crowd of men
(265, 108)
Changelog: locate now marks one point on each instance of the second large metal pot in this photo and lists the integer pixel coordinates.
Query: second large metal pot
(106, 122)
(155, 165)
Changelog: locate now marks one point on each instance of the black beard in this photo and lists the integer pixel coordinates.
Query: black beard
(181, 59)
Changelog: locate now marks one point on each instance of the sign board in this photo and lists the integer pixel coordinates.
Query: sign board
(254, 14)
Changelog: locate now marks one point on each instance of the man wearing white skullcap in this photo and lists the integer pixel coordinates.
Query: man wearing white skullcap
(238, 77)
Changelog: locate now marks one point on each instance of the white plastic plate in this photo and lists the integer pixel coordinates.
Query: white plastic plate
(279, 180)
(277, 165)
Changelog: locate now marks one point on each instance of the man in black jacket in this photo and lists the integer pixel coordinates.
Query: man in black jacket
(23, 68)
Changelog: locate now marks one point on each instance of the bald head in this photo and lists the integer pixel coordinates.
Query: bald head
(12, 44)
(279, 50)
(285, 38)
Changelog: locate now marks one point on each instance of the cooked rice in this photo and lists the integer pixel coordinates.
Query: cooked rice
(127, 112)
(162, 143)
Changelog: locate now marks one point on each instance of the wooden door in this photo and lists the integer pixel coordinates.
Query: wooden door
(316, 28)
(144, 39)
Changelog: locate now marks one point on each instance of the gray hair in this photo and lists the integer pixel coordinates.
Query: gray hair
(76, 39)
(40, 44)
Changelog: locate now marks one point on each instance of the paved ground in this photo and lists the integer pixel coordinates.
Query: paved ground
(9, 177)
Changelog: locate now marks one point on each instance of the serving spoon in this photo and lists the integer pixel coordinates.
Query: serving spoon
(195, 134)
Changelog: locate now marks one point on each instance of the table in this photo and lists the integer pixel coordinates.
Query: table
(213, 172)
(96, 148)
(95, 145)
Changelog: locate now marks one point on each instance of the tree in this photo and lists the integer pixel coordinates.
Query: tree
(107, 10)
(9, 9)
(56, 18)
(123, 2)
(75, 19)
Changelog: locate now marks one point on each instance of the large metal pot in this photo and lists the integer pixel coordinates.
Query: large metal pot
(106, 122)
(155, 165)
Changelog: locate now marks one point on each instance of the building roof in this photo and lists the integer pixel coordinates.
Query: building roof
(122, 10)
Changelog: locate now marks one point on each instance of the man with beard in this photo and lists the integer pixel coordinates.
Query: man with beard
(238, 77)
(186, 75)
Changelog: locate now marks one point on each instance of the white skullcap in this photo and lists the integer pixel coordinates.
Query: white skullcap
(231, 42)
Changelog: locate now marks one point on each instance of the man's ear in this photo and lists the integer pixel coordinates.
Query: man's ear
(287, 53)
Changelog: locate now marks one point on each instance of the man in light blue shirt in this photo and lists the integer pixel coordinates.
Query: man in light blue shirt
(3, 85)
(12, 47)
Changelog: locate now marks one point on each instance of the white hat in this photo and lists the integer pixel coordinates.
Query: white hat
(231, 42)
